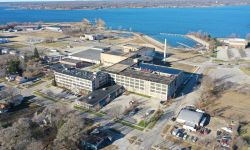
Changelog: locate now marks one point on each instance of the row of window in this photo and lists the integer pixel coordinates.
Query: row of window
(74, 84)
(158, 91)
(71, 78)
(128, 79)
(131, 86)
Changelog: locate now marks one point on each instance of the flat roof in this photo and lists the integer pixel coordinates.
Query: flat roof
(119, 52)
(122, 65)
(134, 46)
(101, 47)
(71, 60)
(98, 95)
(190, 116)
(76, 72)
(83, 63)
(129, 72)
(89, 54)
(157, 68)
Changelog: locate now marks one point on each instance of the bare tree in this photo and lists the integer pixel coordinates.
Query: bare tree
(63, 130)
(116, 111)
(49, 39)
(86, 25)
(100, 24)
(248, 36)
(33, 68)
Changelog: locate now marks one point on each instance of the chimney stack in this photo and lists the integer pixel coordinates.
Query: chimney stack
(165, 50)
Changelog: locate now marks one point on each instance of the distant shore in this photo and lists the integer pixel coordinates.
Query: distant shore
(96, 5)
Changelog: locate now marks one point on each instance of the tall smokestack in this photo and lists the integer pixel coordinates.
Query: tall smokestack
(165, 50)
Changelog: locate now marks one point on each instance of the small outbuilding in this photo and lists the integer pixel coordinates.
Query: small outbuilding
(191, 119)
(99, 98)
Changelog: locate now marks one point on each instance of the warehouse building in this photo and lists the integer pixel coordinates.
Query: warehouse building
(236, 43)
(75, 63)
(191, 119)
(77, 80)
(131, 47)
(92, 37)
(112, 57)
(99, 98)
(90, 55)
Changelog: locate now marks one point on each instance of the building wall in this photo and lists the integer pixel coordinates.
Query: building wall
(141, 86)
(77, 84)
(85, 59)
(238, 45)
(174, 85)
(129, 48)
(73, 83)
(68, 63)
(109, 59)
(77, 65)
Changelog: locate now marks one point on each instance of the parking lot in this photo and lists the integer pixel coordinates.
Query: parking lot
(133, 107)
(59, 94)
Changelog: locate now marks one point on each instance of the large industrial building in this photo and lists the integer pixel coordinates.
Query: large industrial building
(147, 79)
(92, 55)
(133, 68)
(109, 58)
(77, 80)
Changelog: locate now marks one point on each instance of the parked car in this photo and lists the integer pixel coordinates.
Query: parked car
(185, 136)
(149, 112)
(133, 112)
(179, 134)
(194, 139)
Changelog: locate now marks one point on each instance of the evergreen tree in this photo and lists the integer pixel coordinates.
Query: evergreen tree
(36, 54)
(13, 67)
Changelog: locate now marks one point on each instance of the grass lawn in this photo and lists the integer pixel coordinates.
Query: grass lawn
(146, 96)
(245, 70)
(2, 80)
(14, 45)
(245, 132)
(101, 114)
(218, 61)
(126, 123)
(152, 122)
(35, 84)
(54, 44)
(44, 96)
(142, 123)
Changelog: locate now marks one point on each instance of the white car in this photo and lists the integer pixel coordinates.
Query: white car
(149, 112)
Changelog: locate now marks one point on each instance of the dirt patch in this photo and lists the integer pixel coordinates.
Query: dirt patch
(232, 105)
(185, 67)
(111, 147)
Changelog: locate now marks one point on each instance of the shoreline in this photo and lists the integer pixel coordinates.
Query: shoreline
(198, 40)
(10, 7)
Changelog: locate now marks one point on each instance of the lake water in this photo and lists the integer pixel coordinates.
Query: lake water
(218, 21)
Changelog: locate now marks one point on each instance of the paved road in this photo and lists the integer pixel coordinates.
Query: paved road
(151, 137)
